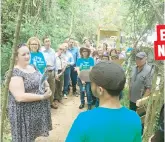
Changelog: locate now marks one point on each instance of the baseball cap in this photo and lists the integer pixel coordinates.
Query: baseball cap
(108, 75)
(141, 55)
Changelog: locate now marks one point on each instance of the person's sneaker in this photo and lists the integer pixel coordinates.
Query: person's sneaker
(76, 95)
(89, 107)
(60, 101)
(54, 106)
(65, 96)
(81, 106)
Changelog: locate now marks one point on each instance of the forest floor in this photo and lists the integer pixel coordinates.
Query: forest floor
(62, 119)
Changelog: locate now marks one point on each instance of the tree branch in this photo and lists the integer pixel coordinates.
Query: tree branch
(12, 60)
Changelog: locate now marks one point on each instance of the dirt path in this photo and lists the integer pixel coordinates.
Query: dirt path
(62, 119)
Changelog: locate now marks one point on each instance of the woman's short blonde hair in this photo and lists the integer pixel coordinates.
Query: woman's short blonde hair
(36, 39)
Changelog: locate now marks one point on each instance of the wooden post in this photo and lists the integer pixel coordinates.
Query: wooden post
(12, 60)
(149, 113)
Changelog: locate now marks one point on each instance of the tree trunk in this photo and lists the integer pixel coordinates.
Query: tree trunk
(72, 20)
(12, 60)
(153, 106)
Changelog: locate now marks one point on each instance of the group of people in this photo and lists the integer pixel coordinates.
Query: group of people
(29, 106)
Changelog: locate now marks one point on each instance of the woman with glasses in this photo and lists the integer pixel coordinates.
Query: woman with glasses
(28, 107)
(37, 59)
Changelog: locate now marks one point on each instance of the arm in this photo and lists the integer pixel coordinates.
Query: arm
(78, 70)
(55, 64)
(92, 63)
(148, 84)
(18, 91)
(78, 54)
(78, 67)
(71, 60)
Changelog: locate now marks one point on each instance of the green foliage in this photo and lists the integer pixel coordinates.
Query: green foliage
(125, 100)
(5, 59)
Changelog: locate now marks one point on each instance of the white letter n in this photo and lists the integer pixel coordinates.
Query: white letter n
(161, 50)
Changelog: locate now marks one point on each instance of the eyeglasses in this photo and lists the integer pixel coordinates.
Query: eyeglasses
(137, 58)
(47, 40)
(33, 44)
(85, 51)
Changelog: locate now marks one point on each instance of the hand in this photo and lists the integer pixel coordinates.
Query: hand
(59, 74)
(83, 82)
(47, 88)
(57, 77)
(48, 93)
(68, 64)
(75, 69)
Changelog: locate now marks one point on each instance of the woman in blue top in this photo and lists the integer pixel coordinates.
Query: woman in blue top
(36, 58)
(85, 63)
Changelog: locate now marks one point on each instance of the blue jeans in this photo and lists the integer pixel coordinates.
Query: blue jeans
(66, 80)
(73, 76)
(88, 92)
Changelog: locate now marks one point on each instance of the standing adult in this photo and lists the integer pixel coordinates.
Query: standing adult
(105, 49)
(140, 81)
(50, 58)
(29, 108)
(95, 56)
(85, 63)
(75, 53)
(36, 57)
(60, 75)
(110, 122)
(69, 62)
(87, 44)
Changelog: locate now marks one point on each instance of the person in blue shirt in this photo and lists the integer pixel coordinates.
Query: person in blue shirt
(75, 53)
(85, 63)
(36, 58)
(110, 122)
(69, 61)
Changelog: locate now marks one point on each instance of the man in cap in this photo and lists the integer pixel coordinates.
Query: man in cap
(110, 122)
(140, 80)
